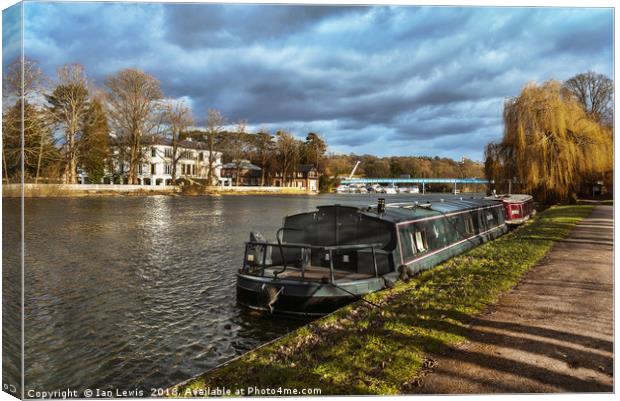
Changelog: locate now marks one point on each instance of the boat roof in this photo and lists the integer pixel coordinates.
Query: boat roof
(512, 198)
(407, 211)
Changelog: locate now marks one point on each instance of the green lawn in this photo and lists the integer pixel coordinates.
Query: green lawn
(364, 350)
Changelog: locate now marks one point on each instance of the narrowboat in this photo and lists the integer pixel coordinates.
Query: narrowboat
(329, 257)
(518, 208)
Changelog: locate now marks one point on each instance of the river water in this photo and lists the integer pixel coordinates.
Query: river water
(139, 292)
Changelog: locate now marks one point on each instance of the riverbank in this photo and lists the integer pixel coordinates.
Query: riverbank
(232, 190)
(81, 190)
(360, 349)
(85, 190)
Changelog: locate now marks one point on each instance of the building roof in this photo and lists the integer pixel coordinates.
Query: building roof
(244, 165)
(304, 168)
(187, 144)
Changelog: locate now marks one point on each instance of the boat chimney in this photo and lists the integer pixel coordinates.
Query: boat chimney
(381, 206)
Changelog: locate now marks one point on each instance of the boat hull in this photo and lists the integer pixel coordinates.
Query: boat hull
(301, 298)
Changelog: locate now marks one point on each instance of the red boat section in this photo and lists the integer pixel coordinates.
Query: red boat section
(518, 208)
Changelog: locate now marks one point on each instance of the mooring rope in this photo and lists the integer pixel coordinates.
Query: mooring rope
(356, 296)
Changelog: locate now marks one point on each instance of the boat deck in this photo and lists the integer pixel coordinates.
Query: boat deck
(315, 273)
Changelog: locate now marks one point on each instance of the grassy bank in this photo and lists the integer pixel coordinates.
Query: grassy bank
(364, 350)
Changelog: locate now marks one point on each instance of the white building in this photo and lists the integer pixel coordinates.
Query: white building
(156, 167)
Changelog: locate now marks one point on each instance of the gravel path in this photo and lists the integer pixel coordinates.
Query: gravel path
(551, 333)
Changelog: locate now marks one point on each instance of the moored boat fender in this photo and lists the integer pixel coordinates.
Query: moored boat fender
(388, 282)
(405, 273)
(271, 295)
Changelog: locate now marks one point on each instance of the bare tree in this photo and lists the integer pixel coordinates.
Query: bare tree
(237, 147)
(215, 127)
(595, 93)
(68, 105)
(132, 103)
(31, 82)
(264, 149)
(178, 117)
(288, 151)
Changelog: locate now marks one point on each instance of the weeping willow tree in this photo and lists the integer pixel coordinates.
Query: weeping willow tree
(550, 144)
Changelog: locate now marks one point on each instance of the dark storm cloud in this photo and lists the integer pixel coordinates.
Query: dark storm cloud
(199, 25)
(11, 40)
(383, 80)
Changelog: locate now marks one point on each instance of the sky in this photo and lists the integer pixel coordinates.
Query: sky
(401, 81)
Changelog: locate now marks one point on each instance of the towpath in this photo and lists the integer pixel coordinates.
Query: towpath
(552, 333)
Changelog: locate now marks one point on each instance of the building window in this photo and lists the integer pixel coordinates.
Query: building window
(193, 169)
(153, 168)
(168, 168)
(201, 156)
(139, 169)
(168, 152)
(153, 152)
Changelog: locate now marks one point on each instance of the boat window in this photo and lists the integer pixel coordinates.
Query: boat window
(411, 245)
(469, 225)
(499, 216)
(413, 241)
(407, 242)
(490, 219)
(420, 241)
(458, 223)
(440, 233)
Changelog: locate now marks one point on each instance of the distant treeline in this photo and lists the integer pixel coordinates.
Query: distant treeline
(398, 166)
